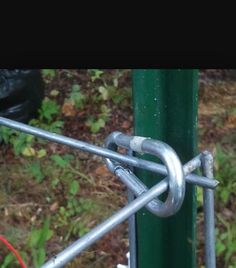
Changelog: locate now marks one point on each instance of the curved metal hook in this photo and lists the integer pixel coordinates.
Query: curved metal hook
(166, 154)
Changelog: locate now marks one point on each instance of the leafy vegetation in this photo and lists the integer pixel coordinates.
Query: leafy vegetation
(217, 133)
(226, 242)
(48, 74)
(49, 185)
(76, 98)
(226, 173)
(37, 242)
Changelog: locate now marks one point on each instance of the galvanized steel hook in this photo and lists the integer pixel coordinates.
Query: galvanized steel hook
(163, 151)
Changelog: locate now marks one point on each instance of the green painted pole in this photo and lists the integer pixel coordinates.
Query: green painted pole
(165, 108)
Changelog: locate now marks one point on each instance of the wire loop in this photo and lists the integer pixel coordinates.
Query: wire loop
(168, 156)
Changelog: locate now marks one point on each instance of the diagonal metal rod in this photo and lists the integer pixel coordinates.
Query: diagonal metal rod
(125, 159)
(74, 249)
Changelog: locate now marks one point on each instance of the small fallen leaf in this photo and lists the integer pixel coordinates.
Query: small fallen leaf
(54, 93)
(115, 82)
(104, 92)
(20, 214)
(41, 153)
(101, 170)
(33, 218)
(68, 109)
(6, 212)
(28, 151)
(231, 121)
(54, 206)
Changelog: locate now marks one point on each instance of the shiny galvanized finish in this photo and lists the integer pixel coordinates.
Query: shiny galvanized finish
(208, 208)
(93, 149)
(165, 108)
(176, 191)
(132, 234)
(132, 229)
(116, 139)
(138, 187)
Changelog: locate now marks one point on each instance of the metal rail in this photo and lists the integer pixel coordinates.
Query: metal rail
(93, 149)
(208, 208)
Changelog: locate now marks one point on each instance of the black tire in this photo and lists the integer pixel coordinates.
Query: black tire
(21, 93)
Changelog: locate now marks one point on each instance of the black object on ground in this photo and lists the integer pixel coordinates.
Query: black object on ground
(21, 93)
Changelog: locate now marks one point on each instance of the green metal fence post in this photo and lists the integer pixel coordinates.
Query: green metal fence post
(165, 108)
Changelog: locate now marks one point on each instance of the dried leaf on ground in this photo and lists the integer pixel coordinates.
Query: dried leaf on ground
(68, 109)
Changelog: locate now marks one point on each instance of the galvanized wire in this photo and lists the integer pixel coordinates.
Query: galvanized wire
(208, 208)
(93, 149)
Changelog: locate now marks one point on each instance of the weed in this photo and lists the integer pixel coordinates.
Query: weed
(6, 133)
(77, 97)
(70, 215)
(74, 187)
(10, 260)
(62, 161)
(95, 74)
(48, 109)
(199, 196)
(36, 171)
(48, 74)
(95, 124)
(37, 241)
(104, 92)
(47, 115)
(225, 173)
(226, 242)
(20, 142)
